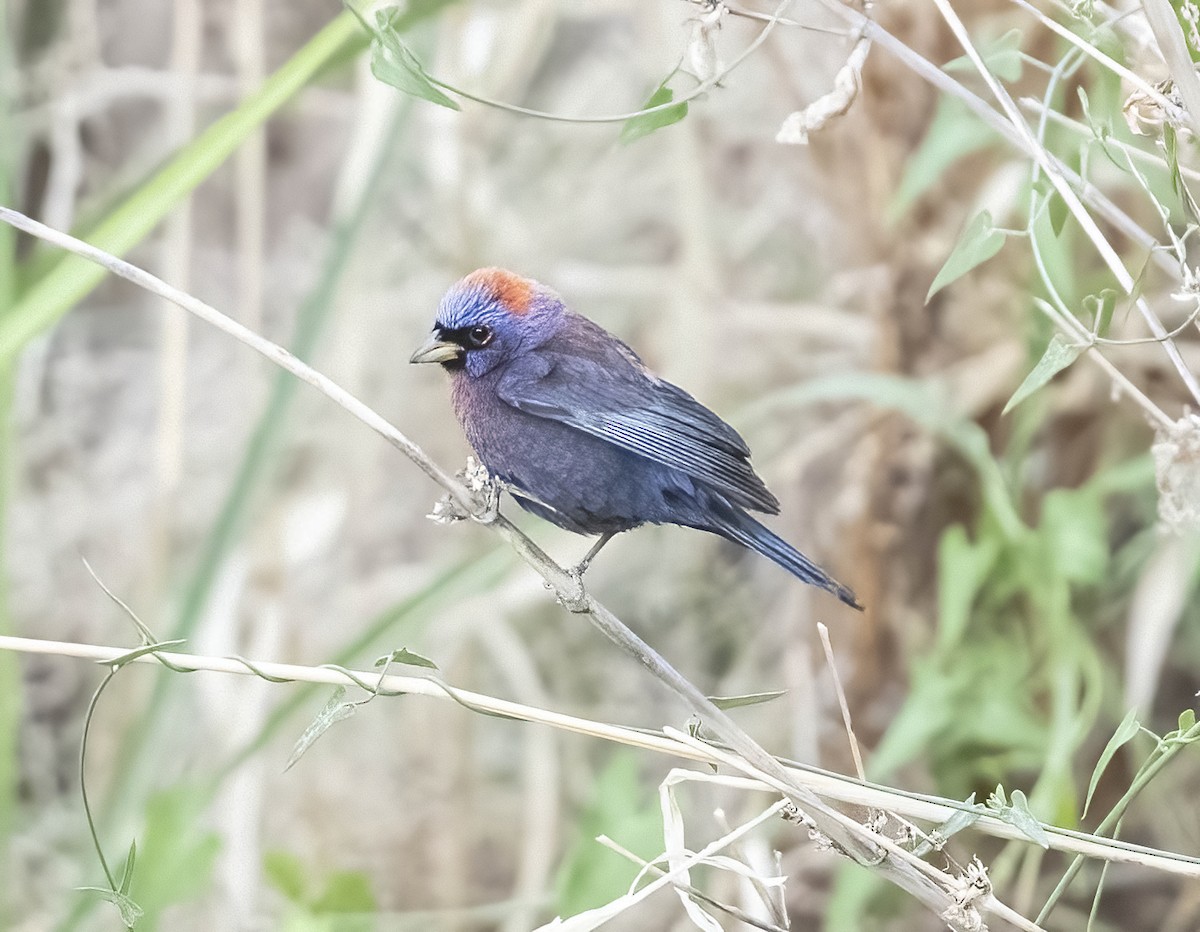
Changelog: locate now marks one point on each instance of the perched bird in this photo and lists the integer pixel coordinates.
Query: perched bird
(584, 435)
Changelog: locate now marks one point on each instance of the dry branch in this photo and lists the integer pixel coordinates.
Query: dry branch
(932, 887)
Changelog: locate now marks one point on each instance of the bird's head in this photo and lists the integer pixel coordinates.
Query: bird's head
(488, 318)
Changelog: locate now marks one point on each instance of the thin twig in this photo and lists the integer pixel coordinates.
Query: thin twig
(651, 867)
(823, 631)
(1134, 79)
(1174, 50)
(824, 783)
(1074, 204)
(929, 885)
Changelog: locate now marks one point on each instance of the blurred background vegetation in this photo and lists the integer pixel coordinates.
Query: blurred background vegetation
(1023, 595)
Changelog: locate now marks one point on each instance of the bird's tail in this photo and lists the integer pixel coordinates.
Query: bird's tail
(739, 527)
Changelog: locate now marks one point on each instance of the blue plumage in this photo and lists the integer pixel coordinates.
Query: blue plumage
(588, 438)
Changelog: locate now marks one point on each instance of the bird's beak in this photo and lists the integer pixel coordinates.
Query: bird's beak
(436, 349)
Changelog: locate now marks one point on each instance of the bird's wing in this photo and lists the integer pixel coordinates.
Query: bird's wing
(611, 396)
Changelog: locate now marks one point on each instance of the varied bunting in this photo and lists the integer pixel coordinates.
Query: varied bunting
(584, 435)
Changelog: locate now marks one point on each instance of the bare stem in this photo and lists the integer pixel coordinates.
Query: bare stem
(929, 885)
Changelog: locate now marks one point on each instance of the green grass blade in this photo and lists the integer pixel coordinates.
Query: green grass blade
(72, 278)
(253, 471)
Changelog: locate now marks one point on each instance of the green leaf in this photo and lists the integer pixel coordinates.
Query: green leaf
(953, 133)
(735, 702)
(1125, 731)
(926, 712)
(1059, 354)
(1101, 308)
(334, 711)
(129, 910)
(1019, 816)
(978, 243)
(177, 854)
(961, 819)
(963, 568)
(70, 279)
(1171, 151)
(591, 875)
(1102, 131)
(127, 871)
(1074, 535)
(140, 652)
(1058, 212)
(286, 874)
(929, 406)
(393, 62)
(643, 124)
(406, 656)
(1002, 57)
(1187, 720)
(346, 892)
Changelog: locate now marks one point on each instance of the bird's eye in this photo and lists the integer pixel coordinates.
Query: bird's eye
(479, 336)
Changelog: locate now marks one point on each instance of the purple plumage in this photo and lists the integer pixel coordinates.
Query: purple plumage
(584, 434)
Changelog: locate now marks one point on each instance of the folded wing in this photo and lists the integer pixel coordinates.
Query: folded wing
(610, 395)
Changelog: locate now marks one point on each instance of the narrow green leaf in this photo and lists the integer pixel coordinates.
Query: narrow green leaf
(978, 243)
(127, 871)
(961, 819)
(1002, 57)
(286, 873)
(735, 702)
(393, 62)
(345, 892)
(129, 910)
(70, 279)
(1102, 131)
(1101, 307)
(140, 652)
(1171, 151)
(177, 853)
(953, 133)
(963, 568)
(643, 124)
(335, 710)
(1058, 212)
(1059, 354)
(1125, 731)
(406, 656)
(1074, 532)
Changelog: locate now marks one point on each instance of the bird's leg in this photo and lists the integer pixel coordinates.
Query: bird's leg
(581, 567)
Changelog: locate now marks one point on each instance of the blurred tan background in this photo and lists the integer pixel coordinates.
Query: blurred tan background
(740, 268)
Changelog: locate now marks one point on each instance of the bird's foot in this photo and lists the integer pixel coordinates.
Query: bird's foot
(576, 572)
(580, 568)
